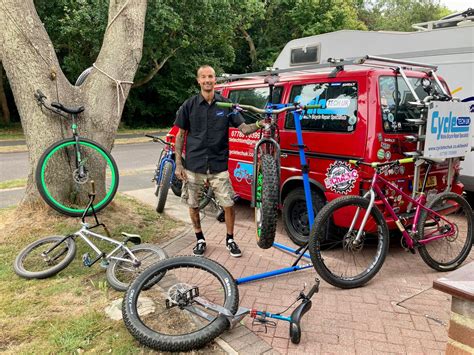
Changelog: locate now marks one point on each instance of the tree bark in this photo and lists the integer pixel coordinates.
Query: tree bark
(5, 117)
(252, 49)
(30, 63)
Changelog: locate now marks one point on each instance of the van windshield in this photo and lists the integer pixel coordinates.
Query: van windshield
(257, 97)
(394, 103)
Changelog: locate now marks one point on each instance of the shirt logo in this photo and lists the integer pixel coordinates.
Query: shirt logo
(220, 113)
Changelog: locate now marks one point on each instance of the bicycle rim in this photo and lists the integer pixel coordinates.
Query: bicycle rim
(64, 188)
(339, 258)
(173, 319)
(449, 252)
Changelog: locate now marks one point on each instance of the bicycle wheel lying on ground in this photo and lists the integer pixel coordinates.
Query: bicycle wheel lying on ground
(181, 318)
(266, 201)
(446, 254)
(336, 256)
(121, 273)
(61, 184)
(32, 263)
(163, 187)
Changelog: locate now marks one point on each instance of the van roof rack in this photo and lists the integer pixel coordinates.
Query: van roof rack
(338, 65)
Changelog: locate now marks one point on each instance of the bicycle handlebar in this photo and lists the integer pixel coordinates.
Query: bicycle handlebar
(155, 139)
(377, 164)
(261, 110)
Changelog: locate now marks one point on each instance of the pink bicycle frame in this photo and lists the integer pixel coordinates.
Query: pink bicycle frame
(376, 189)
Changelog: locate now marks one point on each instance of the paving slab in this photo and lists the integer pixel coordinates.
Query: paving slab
(397, 312)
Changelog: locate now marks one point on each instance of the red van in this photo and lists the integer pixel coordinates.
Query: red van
(365, 116)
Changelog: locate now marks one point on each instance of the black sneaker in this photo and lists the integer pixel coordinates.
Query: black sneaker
(233, 248)
(200, 248)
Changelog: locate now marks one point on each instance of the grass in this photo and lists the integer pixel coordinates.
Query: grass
(65, 314)
(10, 184)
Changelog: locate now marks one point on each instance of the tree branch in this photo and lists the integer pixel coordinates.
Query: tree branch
(252, 49)
(157, 67)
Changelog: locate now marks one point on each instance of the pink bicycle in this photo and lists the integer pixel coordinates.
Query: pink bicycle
(350, 237)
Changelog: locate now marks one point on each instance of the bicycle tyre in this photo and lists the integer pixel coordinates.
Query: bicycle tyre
(164, 186)
(59, 148)
(427, 251)
(112, 273)
(323, 246)
(176, 186)
(196, 339)
(19, 265)
(266, 202)
(206, 197)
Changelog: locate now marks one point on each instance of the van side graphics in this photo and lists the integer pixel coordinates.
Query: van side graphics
(340, 177)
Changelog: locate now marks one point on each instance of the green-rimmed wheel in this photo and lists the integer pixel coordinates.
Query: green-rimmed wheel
(266, 201)
(65, 186)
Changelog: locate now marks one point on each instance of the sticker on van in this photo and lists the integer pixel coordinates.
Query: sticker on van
(340, 177)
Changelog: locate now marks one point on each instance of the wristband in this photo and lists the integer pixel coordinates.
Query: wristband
(257, 124)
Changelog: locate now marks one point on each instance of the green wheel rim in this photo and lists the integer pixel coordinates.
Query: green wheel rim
(109, 163)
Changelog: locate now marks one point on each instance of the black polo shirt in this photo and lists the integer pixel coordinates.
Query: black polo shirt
(207, 126)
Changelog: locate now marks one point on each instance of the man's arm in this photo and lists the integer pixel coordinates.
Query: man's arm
(247, 129)
(179, 171)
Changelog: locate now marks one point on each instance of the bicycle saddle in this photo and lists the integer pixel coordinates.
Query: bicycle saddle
(71, 110)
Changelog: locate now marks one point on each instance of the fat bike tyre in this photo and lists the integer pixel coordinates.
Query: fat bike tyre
(163, 188)
(46, 167)
(266, 202)
(329, 249)
(32, 255)
(120, 273)
(182, 342)
(446, 254)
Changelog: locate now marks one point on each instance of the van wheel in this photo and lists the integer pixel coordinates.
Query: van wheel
(295, 214)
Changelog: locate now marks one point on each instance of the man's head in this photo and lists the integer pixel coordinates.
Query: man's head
(206, 78)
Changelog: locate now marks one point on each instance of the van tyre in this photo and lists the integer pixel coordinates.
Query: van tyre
(295, 214)
(266, 203)
(164, 186)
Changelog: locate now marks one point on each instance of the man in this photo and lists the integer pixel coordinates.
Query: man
(205, 127)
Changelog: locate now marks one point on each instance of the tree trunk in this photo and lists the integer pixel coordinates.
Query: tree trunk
(252, 49)
(30, 63)
(5, 117)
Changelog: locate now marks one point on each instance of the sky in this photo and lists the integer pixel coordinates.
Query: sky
(458, 5)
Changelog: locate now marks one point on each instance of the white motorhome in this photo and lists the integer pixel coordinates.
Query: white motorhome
(447, 43)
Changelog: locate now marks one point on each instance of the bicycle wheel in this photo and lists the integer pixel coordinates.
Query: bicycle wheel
(176, 185)
(206, 196)
(32, 264)
(120, 272)
(446, 254)
(182, 317)
(266, 202)
(59, 182)
(164, 186)
(335, 255)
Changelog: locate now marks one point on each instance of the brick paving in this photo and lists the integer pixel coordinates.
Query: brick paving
(397, 312)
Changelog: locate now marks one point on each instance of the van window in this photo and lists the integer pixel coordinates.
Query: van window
(257, 97)
(339, 106)
(394, 90)
(305, 55)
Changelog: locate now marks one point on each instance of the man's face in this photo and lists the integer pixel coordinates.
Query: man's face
(206, 79)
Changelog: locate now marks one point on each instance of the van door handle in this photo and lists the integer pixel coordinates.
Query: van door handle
(284, 155)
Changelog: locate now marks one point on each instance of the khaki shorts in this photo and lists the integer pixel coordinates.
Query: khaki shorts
(220, 184)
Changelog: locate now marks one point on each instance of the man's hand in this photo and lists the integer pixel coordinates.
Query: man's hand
(180, 172)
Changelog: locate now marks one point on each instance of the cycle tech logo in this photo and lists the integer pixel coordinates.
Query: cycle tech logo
(340, 177)
(450, 126)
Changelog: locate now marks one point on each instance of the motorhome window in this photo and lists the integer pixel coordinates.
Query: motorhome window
(257, 97)
(304, 55)
(339, 106)
(395, 105)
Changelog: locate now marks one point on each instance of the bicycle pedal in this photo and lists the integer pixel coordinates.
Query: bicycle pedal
(86, 259)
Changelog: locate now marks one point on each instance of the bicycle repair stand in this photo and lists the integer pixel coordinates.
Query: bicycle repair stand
(301, 251)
